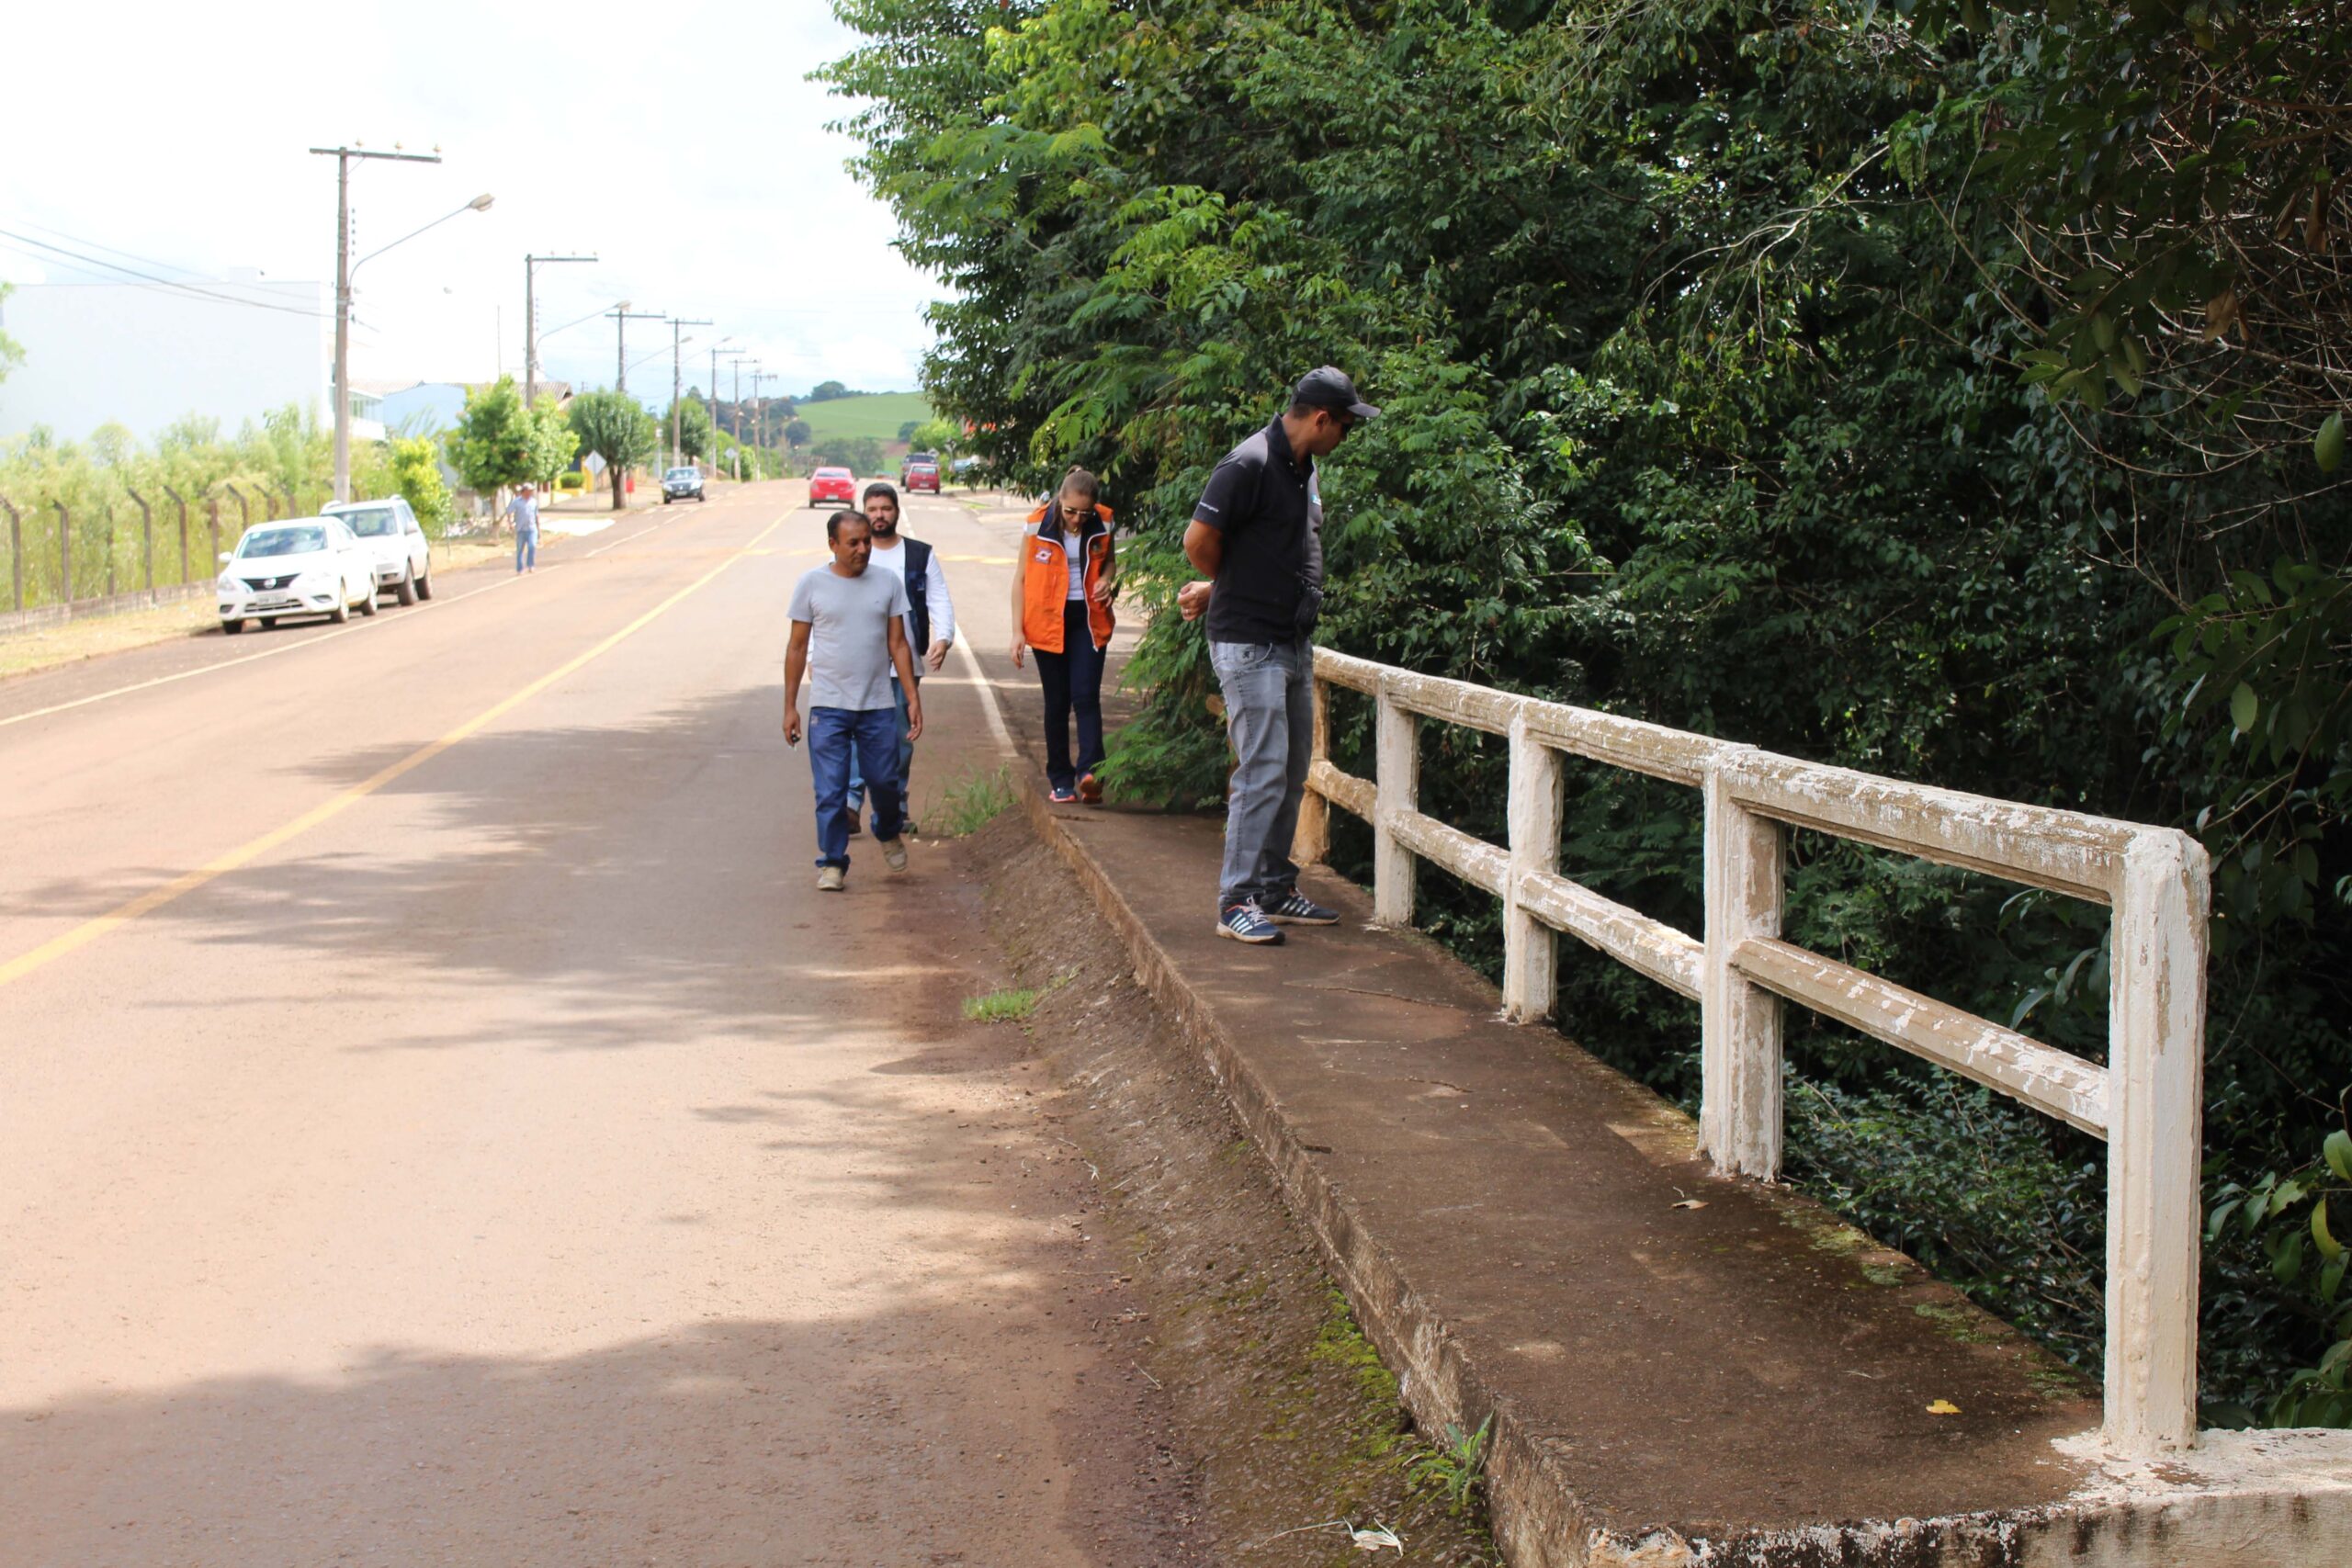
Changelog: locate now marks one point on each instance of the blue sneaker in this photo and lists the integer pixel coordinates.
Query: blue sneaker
(1243, 922)
(1294, 908)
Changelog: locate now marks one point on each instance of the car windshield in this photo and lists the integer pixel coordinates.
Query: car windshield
(282, 542)
(918, 460)
(374, 523)
(923, 468)
(832, 473)
(679, 474)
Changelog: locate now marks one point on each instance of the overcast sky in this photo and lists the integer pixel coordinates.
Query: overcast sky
(680, 142)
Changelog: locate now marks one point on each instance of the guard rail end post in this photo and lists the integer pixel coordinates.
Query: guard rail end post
(1530, 948)
(2155, 1135)
(1396, 784)
(1739, 1095)
(1312, 842)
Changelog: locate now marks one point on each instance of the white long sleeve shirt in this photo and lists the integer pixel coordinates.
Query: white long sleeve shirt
(935, 599)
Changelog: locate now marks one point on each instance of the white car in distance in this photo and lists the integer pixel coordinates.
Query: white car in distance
(303, 565)
(387, 529)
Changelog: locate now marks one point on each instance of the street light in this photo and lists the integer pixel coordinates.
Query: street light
(622, 316)
(343, 157)
(711, 399)
(677, 380)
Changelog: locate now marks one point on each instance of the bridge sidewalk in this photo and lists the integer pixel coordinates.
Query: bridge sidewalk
(1679, 1368)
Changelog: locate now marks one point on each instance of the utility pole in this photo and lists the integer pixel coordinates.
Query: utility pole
(711, 399)
(735, 404)
(760, 419)
(343, 157)
(531, 323)
(622, 317)
(677, 382)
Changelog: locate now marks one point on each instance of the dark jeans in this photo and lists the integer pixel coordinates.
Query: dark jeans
(906, 764)
(834, 734)
(1270, 717)
(1073, 680)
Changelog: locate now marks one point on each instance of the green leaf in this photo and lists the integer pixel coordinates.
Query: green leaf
(2327, 447)
(2337, 1152)
(2329, 1247)
(2243, 706)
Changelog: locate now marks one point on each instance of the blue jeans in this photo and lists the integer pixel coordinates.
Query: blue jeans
(836, 736)
(1073, 682)
(906, 764)
(526, 547)
(1270, 717)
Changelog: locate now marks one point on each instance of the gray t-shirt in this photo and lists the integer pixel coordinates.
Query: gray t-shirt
(849, 635)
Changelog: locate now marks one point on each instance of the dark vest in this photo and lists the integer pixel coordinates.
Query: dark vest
(918, 596)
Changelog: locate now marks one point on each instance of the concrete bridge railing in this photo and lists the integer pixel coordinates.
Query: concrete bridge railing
(2146, 1102)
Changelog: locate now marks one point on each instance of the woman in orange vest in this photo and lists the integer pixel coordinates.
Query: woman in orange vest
(1061, 608)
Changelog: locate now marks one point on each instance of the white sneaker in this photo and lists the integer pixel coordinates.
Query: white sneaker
(894, 853)
(830, 879)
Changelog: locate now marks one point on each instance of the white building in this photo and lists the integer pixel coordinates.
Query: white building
(145, 355)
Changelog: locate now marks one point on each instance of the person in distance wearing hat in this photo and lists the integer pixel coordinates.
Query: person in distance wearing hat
(1257, 535)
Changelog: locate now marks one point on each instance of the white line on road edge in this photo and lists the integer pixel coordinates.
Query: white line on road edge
(90, 931)
(979, 677)
(248, 659)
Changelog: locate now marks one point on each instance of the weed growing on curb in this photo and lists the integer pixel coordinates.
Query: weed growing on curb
(1000, 1007)
(972, 801)
(1452, 1468)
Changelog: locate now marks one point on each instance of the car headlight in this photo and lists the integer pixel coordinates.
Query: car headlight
(229, 587)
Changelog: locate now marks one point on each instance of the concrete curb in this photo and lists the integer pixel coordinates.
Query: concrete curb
(2239, 1500)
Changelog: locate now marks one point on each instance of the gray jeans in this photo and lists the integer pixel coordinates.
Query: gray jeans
(1270, 717)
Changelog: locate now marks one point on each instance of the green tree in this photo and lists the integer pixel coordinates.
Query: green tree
(695, 429)
(858, 454)
(553, 442)
(616, 427)
(494, 443)
(943, 436)
(796, 433)
(12, 353)
(416, 472)
(825, 391)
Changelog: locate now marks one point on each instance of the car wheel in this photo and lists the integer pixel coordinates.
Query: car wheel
(231, 629)
(368, 600)
(406, 591)
(424, 585)
(342, 611)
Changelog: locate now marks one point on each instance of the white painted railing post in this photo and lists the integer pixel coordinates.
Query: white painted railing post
(1397, 784)
(1531, 949)
(2155, 1059)
(1312, 842)
(1739, 1055)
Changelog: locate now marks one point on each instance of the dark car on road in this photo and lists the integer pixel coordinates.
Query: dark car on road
(679, 484)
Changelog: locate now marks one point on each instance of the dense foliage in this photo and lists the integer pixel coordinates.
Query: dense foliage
(1948, 390)
(616, 427)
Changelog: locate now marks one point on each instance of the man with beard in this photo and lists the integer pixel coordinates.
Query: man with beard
(930, 625)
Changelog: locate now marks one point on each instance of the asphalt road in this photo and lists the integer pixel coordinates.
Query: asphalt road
(441, 1122)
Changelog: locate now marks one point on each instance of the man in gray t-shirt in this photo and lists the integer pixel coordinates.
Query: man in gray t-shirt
(848, 633)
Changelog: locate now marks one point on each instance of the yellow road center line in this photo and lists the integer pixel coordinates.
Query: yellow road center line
(147, 902)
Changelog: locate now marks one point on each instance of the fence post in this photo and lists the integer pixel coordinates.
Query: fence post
(182, 506)
(2156, 1056)
(269, 505)
(15, 551)
(65, 554)
(1739, 1031)
(212, 516)
(1530, 948)
(147, 538)
(1312, 842)
(244, 513)
(108, 515)
(292, 508)
(1396, 784)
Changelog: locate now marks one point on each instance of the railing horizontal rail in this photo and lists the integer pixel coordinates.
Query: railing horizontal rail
(1634, 939)
(2052, 1081)
(2145, 1102)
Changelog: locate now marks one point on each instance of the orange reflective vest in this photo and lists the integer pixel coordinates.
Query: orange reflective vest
(1045, 577)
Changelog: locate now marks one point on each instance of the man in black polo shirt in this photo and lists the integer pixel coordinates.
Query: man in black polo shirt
(1258, 535)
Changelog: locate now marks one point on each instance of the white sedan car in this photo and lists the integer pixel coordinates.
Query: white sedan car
(387, 530)
(304, 566)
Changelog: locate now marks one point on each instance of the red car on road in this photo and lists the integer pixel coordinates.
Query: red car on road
(920, 475)
(832, 484)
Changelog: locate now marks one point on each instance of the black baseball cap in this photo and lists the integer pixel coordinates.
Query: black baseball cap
(1329, 387)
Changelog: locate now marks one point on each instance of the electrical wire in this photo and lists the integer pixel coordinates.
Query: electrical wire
(149, 279)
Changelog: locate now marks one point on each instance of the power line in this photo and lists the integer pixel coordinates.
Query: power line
(159, 282)
(55, 232)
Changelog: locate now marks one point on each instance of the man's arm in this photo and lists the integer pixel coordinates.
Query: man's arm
(795, 664)
(902, 660)
(943, 612)
(1205, 547)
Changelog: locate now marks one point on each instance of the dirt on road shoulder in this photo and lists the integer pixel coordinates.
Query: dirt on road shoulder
(1279, 1403)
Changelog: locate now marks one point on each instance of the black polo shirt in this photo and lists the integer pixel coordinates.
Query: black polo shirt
(1270, 509)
